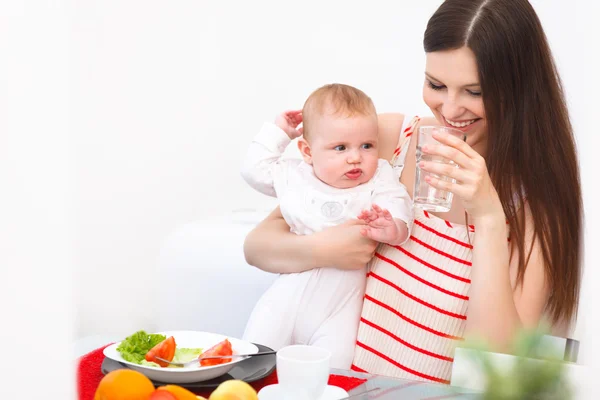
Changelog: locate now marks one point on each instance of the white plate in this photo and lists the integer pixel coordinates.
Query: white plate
(193, 339)
(273, 392)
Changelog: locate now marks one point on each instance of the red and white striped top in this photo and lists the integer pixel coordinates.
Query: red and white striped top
(416, 297)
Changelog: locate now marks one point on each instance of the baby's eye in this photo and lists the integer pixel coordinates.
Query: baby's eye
(341, 147)
(367, 146)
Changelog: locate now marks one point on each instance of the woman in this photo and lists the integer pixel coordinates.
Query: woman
(507, 254)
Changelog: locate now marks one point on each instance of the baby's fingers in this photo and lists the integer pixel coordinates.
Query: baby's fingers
(366, 216)
(373, 216)
(292, 113)
(294, 116)
(367, 232)
(387, 215)
(382, 212)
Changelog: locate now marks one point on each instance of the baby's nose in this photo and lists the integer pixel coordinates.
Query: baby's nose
(354, 157)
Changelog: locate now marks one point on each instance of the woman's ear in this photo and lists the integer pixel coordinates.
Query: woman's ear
(304, 148)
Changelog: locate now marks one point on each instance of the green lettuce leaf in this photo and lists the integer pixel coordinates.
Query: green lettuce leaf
(135, 347)
(149, 364)
(184, 354)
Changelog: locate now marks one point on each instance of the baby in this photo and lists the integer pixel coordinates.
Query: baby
(341, 177)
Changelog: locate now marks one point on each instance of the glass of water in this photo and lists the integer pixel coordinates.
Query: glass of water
(425, 196)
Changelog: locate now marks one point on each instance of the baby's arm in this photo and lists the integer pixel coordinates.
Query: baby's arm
(390, 219)
(263, 162)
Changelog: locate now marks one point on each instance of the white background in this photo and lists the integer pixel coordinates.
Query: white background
(168, 99)
(120, 120)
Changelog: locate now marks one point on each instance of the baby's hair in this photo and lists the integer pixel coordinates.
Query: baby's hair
(335, 99)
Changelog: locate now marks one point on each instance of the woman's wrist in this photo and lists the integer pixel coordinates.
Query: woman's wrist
(320, 256)
(490, 221)
(491, 231)
(494, 216)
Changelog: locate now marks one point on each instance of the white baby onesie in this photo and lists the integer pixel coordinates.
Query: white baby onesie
(322, 306)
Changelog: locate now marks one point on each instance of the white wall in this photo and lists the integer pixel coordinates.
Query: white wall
(138, 98)
(584, 88)
(168, 95)
(168, 98)
(36, 302)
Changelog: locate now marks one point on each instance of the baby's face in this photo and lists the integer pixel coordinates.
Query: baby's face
(344, 151)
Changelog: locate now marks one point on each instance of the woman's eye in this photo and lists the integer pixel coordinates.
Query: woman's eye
(341, 147)
(435, 87)
(474, 93)
(367, 146)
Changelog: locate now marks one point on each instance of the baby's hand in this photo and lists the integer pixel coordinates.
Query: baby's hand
(288, 121)
(382, 227)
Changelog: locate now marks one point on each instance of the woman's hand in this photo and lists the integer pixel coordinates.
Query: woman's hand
(343, 246)
(271, 247)
(473, 185)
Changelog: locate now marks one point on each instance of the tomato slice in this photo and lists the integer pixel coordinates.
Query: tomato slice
(165, 350)
(220, 349)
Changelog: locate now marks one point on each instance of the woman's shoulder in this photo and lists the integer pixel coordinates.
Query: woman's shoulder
(390, 124)
(427, 121)
(390, 127)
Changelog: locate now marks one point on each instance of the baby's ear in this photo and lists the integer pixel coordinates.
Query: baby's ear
(304, 148)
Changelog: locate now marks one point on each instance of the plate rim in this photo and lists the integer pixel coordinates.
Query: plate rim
(113, 347)
(199, 385)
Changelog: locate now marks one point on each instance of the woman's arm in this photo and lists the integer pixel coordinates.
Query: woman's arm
(271, 246)
(498, 308)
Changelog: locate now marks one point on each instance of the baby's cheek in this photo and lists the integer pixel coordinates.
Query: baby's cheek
(333, 167)
(373, 165)
(329, 172)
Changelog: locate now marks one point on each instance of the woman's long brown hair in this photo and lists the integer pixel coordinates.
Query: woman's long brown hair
(531, 154)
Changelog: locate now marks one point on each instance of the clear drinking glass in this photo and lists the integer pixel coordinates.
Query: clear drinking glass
(425, 196)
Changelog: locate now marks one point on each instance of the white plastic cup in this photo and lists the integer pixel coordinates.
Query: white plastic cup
(302, 372)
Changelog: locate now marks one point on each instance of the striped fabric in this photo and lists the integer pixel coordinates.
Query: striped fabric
(416, 298)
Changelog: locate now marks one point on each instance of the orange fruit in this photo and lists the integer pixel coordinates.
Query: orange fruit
(234, 390)
(124, 384)
(162, 395)
(179, 392)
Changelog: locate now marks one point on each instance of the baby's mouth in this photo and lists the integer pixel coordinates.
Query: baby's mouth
(354, 173)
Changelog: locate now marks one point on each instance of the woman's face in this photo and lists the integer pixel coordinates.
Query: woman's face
(453, 94)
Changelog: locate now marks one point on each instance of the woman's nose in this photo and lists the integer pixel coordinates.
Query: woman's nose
(452, 109)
